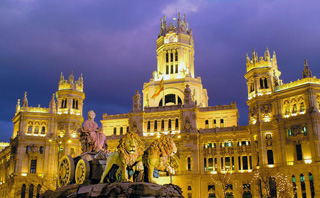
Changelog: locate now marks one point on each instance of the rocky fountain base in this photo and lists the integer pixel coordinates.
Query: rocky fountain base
(116, 190)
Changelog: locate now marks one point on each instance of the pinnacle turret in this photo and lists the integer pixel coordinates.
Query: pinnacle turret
(71, 84)
(18, 106)
(265, 61)
(306, 71)
(71, 77)
(25, 100)
(178, 26)
(52, 104)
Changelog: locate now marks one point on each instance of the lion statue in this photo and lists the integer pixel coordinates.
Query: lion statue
(157, 157)
(129, 155)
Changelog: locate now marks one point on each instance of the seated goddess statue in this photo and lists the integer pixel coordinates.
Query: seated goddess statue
(96, 140)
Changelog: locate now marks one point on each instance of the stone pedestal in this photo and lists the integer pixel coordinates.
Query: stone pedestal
(116, 190)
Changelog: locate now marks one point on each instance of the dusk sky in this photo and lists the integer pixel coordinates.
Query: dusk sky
(113, 43)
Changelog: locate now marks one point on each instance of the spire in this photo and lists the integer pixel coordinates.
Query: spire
(254, 56)
(306, 71)
(136, 102)
(247, 58)
(52, 104)
(71, 77)
(81, 78)
(18, 106)
(267, 55)
(61, 77)
(25, 100)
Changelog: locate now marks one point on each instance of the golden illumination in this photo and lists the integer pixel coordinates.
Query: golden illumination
(24, 174)
(308, 161)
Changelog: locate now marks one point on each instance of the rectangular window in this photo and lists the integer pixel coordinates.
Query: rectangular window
(239, 162)
(221, 123)
(227, 162)
(205, 164)
(176, 56)
(167, 57)
(250, 160)
(169, 124)
(177, 123)
(299, 152)
(33, 166)
(222, 167)
(167, 69)
(207, 124)
(189, 164)
(155, 125)
(245, 162)
(171, 54)
(177, 69)
(232, 163)
(270, 156)
(171, 69)
(210, 164)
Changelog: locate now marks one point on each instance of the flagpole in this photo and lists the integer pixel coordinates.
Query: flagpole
(163, 103)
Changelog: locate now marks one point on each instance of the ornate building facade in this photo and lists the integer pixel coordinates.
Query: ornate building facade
(276, 155)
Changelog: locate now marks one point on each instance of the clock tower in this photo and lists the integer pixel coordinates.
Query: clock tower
(175, 65)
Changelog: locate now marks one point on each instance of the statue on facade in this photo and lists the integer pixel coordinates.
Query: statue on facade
(91, 137)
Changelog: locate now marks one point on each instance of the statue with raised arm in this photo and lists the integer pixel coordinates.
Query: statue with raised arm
(93, 138)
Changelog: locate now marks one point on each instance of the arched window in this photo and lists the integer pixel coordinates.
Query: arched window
(43, 130)
(114, 131)
(31, 191)
(169, 124)
(36, 130)
(294, 108)
(155, 125)
(148, 126)
(127, 129)
(177, 123)
(302, 107)
(189, 163)
(162, 125)
(311, 185)
(294, 186)
(29, 129)
(270, 157)
(23, 191)
(38, 191)
(303, 186)
(121, 130)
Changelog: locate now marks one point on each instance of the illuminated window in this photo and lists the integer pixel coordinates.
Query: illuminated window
(299, 152)
(294, 108)
(289, 132)
(29, 129)
(189, 164)
(169, 124)
(304, 130)
(36, 130)
(302, 107)
(311, 185)
(294, 186)
(33, 166)
(270, 156)
(210, 164)
(303, 186)
(121, 130)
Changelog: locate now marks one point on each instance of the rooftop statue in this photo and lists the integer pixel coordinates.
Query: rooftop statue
(92, 137)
